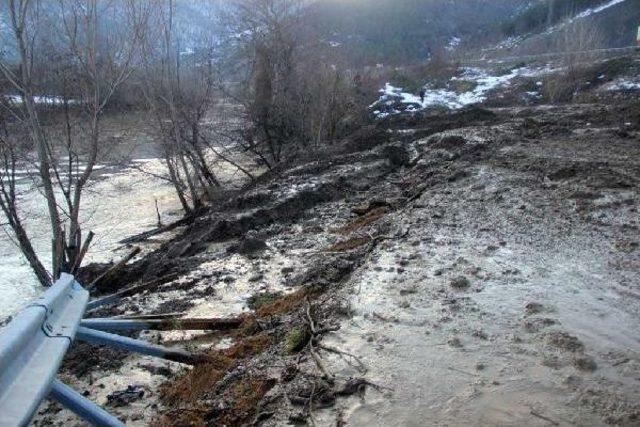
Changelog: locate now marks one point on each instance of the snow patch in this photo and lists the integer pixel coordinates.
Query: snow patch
(621, 85)
(393, 100)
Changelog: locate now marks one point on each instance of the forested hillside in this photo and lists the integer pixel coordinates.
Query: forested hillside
(391, 31)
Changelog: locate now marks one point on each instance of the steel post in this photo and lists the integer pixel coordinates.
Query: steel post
(103, 338)
(171, 324)
(84, 408)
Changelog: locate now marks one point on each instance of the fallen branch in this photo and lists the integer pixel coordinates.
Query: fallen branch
(171, 324)
(361, 365)
(542, 417)
(82, 253)
(110, 299)
(161, 230)
(115, 268)
(325, 373)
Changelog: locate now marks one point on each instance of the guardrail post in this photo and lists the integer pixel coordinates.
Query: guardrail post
(84, 408)
(113, 340)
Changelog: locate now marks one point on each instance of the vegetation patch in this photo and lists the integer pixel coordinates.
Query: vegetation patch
(256, 301)
(297, 339)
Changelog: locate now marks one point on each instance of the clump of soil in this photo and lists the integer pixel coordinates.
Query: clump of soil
(245, 397)
(84, 358)
(564, 341)
(585, 363)
(398, 155)
(448, 142)
(533, 308)
(203, 378)
(460, 282)
(249, 246)
(367, 207)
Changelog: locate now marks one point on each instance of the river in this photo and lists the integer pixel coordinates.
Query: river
(118, 203)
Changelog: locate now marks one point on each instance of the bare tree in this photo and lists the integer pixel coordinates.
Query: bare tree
(93, 58)
(179, 84)
(294, 91)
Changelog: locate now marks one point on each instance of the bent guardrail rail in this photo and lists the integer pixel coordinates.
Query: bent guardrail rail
(34, 343)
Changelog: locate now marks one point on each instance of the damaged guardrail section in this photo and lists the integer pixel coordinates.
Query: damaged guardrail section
(34, 343)
(32, 347)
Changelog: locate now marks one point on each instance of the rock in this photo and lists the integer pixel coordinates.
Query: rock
(408, 291)
(448, 142)
(460, 282)
(125, 397)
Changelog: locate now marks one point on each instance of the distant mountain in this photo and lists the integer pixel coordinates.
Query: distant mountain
(537, 28)
(405, 31)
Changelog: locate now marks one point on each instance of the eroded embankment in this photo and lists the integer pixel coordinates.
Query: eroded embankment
(480, 266)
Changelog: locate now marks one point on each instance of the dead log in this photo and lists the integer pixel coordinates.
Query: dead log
(115, 268)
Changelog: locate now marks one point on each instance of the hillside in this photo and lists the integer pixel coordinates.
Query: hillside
(349, 213)
(434, 267)
(406, 31)
(582, 25)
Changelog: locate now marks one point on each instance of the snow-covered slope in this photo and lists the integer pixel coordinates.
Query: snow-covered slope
(394, 100)
(611, 23)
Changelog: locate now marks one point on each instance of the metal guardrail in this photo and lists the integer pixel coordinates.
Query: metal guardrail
(34, 343)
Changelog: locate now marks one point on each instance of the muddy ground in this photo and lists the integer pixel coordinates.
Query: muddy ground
(475, 267)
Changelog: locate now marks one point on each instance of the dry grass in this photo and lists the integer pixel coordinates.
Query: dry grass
(203, 378)
(245, 395)
(189, 393)
(364, 220)
(284, 305)
(350, 244)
